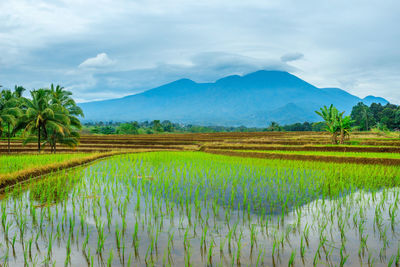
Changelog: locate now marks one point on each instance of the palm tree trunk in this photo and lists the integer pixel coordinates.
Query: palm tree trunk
(8, 138)
(38, 138)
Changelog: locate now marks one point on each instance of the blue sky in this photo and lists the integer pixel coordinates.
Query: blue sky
(111, 48)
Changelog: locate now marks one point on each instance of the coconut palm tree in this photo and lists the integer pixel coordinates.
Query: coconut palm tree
(42, 115)
(9, 113)
(62, 98)
(18, 91)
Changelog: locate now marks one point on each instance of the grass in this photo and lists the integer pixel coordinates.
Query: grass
(43, 165)
(14, 163)
(194, 208)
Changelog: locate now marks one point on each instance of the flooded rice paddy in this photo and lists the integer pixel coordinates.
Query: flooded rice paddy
(195, 209)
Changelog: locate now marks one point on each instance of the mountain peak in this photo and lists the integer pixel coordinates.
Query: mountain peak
(368, 100)
(252, 100)
(183, 81)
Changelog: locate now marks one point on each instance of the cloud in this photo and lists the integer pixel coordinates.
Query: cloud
(100, 61)
(291, 57)
(156, 41)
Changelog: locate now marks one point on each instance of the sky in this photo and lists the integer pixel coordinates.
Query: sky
(101, 49)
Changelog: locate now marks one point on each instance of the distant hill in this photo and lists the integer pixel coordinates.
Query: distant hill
(254, 99)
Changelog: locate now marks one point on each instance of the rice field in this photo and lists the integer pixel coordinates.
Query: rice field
(200, 209)
(14, 163)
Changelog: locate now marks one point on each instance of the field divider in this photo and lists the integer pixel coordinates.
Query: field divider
(336, 159)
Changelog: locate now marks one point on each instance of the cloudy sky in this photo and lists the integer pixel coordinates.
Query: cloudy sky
(103, 49)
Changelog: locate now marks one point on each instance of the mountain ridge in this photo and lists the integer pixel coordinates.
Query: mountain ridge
(254, 99)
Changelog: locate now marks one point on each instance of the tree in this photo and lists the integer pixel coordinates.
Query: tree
(274, 127)
(376, 109)
(18, 91)
(362, 116)
(128, 128)
(42, 115)
(344, 126)
(66, 107)
(335, 123)
(388, 116)
(9, 112)
(157, 127)
(167, 126)
(318, 126)
(330, 116)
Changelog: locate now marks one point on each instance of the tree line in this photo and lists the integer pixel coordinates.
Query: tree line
(157, 127)
(382, 117)
(362, 117)
(48, 116)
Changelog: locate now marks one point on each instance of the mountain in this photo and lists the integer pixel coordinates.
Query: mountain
(254, 99)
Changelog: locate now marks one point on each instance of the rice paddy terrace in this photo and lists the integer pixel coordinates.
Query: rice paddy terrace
(305, 141)
(226, 199)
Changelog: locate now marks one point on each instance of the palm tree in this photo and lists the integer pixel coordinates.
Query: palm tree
(70, 136)
(9, 112)
(18, 91)
(330, 115)
(41, 115)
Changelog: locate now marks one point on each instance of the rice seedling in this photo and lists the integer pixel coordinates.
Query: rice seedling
(263, 212)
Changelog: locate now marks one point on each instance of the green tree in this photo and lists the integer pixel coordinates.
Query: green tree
(167, 126)
(344, 126)
(42, 115)
(18, 91)
(376, 110)
(274, 127)
(128, 128)
(330, 116)
(388, 116)
(362, 116)
(67, 112)
(9, 113)
(157, 127)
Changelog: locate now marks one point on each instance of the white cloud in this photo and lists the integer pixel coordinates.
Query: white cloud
(100, 61)
(346, 43)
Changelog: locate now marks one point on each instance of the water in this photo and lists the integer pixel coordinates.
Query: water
(61, 220)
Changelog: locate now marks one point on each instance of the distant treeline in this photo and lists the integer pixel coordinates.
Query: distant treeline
(382, 117)
(157, 126)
